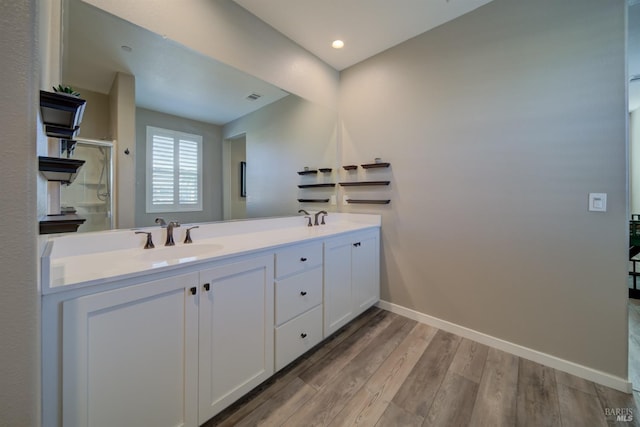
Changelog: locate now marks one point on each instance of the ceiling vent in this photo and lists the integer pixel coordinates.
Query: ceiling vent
(254, 96)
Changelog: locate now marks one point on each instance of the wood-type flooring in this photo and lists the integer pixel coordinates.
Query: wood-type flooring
(383, 369)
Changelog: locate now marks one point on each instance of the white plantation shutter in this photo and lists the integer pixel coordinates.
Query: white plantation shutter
(174, 171)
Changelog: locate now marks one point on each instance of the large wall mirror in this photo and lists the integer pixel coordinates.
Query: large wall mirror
(242, 120)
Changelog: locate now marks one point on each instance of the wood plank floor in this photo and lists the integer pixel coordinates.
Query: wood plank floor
(386, 370)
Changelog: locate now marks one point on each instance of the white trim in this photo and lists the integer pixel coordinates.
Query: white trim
(554, 362)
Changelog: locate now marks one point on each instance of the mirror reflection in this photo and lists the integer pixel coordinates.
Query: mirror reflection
(137, 83)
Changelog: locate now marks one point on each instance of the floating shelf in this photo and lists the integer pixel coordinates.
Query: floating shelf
(61, 132)
(309, 172)
(375, 165)
(313, 200)
(52, 224)
(368, 202)
(350, 167)
(61, 110)
(316, 185)
(363, 183)
(325, 170)
(59, 169)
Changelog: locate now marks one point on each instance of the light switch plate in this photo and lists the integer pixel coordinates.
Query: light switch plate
(597, 202)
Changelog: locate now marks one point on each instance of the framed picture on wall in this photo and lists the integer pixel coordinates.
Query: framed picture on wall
(243, 179)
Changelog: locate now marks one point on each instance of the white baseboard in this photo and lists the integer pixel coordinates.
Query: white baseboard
(554, 362)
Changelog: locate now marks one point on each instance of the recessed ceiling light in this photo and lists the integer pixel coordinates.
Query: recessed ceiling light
(126, 48)
(337, 44)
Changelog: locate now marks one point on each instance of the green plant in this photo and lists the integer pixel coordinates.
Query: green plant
(65, 89)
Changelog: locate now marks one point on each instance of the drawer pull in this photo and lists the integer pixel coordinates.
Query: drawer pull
(303, 335)
(356, 244)
(193, 290)
(303, 293)
(303, 259)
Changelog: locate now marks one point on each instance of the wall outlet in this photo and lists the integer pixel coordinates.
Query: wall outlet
(344, 199)
(597, 202)
(333, 200)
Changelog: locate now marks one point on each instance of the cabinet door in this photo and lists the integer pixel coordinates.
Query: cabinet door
(365, 271)
(338, 301)
(236, 332)
(130, 356)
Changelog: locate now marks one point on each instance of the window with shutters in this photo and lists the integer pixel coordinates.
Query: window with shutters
(174, 171)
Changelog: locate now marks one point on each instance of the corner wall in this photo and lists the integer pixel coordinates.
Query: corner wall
(497, 126)
(19, 302)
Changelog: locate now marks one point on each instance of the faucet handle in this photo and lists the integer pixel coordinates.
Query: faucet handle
(309, 224)
(149, 243)
(187, 238)
(161, 221)
(322, 217)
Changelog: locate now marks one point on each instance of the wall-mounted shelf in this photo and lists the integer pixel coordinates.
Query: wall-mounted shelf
(363, 183)
(61, 111)
(313, 200)
(309, 172)
(368, 202)
(375, 165)
(59, 169)
(52, 224)
(325, 170)
(350, 167)
(316, 185)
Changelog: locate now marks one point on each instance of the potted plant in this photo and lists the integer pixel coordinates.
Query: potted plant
(66, 90)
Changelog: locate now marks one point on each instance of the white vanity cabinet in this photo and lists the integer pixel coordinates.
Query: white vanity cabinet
(175, 344)
(298, 301)
(236, 332)
(130, 355)
(351, 277)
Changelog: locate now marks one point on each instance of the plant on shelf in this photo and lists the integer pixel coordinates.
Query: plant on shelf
(67, 90)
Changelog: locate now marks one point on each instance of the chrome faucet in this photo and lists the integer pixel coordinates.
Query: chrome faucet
(170, 227)
(324, 213)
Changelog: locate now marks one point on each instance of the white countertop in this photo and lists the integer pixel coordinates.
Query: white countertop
(83, 259)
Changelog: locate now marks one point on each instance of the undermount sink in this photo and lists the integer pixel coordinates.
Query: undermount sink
(166, 253)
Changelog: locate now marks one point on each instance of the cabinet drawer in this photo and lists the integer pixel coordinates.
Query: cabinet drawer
(298, 258)
(297, 294)
(298, 336)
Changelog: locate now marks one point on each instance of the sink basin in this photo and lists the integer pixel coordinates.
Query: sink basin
(182, 252)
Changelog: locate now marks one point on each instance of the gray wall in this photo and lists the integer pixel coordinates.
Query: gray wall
(19, 319)
(498, 125)
(96, 120)
(281, 139)
(211, 164)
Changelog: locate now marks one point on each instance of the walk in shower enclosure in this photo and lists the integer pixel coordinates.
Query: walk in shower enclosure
(90, 195)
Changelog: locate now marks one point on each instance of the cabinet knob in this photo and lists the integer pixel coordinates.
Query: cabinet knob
(303, 293)
(303, 335)
(356, 244)
(206, 287)
(303, 259)
(193, 290)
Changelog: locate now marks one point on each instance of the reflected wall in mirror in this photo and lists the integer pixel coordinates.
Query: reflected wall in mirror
(119, 68)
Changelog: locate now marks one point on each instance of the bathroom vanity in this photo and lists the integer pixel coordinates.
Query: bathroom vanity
(173, 335)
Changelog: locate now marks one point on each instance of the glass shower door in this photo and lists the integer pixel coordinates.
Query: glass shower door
(90, 194)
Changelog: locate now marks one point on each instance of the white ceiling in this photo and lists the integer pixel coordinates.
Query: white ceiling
(169, 77)
(210, 91)
(366, 26)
